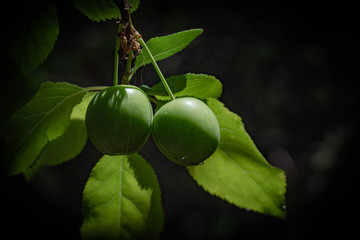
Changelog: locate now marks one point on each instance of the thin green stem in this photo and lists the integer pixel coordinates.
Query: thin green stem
(126, 78)
(116, 61)
(157, 69)
(132, 72)
(95, 88)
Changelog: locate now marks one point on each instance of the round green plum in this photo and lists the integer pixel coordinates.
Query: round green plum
(118, 120)
(186, 131)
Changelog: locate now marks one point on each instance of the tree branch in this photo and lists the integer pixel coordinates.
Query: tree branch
(124, 7)
(129, 45)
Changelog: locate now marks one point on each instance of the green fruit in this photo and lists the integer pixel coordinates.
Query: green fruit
(186, 131)
(118, 120)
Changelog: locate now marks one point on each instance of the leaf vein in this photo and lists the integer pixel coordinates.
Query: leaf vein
(246, 174)
(46, 115)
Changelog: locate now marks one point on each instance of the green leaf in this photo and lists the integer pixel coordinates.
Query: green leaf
(237, 172)
(79, 110)
(121, 200)
(69, 144)
(40, 121)
(195, 85)
(101, 10)
(166, 46)
(146, 177)
(36, 36)
(64, 148)
(134, 4)
(97, 10)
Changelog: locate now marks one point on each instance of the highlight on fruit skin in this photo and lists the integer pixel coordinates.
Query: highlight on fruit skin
(118, 120)
(186, 131)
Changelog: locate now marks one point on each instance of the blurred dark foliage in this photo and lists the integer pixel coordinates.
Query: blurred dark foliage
(290, 71)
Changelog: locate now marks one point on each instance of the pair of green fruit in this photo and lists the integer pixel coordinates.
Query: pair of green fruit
(119, 120)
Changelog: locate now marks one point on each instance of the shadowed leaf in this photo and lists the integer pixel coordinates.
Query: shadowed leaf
(36, 36)
(101, 10)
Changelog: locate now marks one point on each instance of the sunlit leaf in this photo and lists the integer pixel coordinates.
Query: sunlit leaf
(237, 172)
(193, 85)
(121, 200)
(166, 46)
(40, 121)
(68, 145)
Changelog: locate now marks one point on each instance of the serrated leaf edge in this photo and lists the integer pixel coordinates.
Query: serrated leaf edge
(140, 64)
(47, 114)
(281, 175)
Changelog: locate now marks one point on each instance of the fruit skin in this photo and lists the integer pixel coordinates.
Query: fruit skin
(118, 120)
(186, 131)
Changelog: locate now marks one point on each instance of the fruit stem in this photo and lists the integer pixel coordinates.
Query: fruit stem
(126, 76)
(157, 69)
(116, 62)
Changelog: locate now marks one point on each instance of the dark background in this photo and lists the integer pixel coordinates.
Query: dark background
(290, 71)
